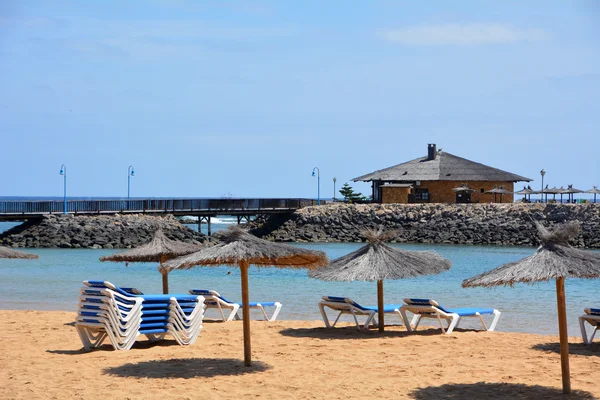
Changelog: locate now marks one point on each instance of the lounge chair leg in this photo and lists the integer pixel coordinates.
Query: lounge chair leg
(337, 318)
(370, 319)
(234, 313)
(594, 334)
(405, 319)
(455, 319)
(221, 312)
(324, 316)
(583, 331)
(482, 322)
(278, 306)
(356, 321)
(495, 321)
(416, 320)
(441, 323)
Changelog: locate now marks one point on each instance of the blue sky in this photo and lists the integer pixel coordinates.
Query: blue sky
(206, 98)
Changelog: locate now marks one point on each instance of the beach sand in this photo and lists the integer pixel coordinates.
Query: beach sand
(41, 358)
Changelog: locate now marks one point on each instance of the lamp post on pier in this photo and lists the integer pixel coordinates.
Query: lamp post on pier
(130, 173)
(542, 173)
(334, 181)
(63, 172)
(318, 175)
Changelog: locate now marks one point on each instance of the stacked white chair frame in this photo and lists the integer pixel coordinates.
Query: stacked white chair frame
(121, 315)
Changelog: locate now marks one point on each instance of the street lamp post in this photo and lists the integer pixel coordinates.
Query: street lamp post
(130, 173)
(334, 181)
(542, 173)
(318, 175)
(63, 172)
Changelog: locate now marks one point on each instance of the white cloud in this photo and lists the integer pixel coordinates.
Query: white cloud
(460, 35)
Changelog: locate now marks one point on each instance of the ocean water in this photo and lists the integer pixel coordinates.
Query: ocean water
(52, 283)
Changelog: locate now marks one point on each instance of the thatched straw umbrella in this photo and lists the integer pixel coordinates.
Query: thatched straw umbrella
(554, 259)
(594, 191)
(377, 261)
(571, 192)
(526, 191)
(240, 248)
(159, 249)
(7, 252)
(499, 190)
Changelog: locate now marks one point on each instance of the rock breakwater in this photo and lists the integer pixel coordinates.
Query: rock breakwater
(101, 231)
(485, 224)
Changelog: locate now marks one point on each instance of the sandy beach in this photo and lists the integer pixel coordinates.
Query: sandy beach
(42, 357)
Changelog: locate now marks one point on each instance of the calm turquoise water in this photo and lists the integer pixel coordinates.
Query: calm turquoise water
(53, 281)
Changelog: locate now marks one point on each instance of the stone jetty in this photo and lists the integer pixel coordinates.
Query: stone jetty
(482, 224)
(98, 231)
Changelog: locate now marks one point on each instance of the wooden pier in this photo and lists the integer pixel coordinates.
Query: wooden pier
(204, 209)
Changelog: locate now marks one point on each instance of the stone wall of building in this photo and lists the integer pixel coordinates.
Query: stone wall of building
(441, 191)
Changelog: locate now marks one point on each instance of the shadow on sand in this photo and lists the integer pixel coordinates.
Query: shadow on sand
(142, 344)
(489, 391)
(186, 368)
(350, 332)
(574, 348)
(69, 324)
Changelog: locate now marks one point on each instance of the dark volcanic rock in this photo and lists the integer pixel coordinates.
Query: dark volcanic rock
(98, 231)
(499, 224)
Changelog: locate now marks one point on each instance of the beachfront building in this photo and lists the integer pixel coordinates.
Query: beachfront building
(441, 177)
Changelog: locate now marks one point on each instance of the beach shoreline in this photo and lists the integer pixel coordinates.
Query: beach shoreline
(42, 357)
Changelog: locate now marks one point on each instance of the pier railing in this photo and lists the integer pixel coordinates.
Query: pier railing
(152, 206)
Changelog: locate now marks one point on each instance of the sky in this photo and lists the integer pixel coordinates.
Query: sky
(245, 98)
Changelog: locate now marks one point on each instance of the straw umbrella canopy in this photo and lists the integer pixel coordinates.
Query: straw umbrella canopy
(7, 252)
(526, 191)
(499, 190)
(239, 248)
(377, 261)
(159, 249)
(463, 188)
(594, 191)
(554, 259)
(570, 191)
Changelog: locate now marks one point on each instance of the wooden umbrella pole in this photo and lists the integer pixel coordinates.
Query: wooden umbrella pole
(564, 337)
(380, 305)
(246, 313)
(165, 276)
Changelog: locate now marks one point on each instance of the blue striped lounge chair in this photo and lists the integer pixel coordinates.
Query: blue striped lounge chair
(213, 299)
(592, 317)
(426, 308)
(348, 306)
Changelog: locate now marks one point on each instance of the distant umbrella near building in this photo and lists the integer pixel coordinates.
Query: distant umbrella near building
(594, 191)
(527, 191)
(7, 252)
(499, 191)
(556, 260)
(159, 249)
(377, 261)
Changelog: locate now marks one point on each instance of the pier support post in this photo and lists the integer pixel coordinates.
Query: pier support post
(209, 229)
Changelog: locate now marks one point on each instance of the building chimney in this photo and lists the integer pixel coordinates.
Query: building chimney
(431, 151)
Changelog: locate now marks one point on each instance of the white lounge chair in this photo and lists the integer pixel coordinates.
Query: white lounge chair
(592, 317)
(348, 306)
(212, 299)
(426, 308)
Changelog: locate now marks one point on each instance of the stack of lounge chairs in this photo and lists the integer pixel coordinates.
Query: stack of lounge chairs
(121, 315)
